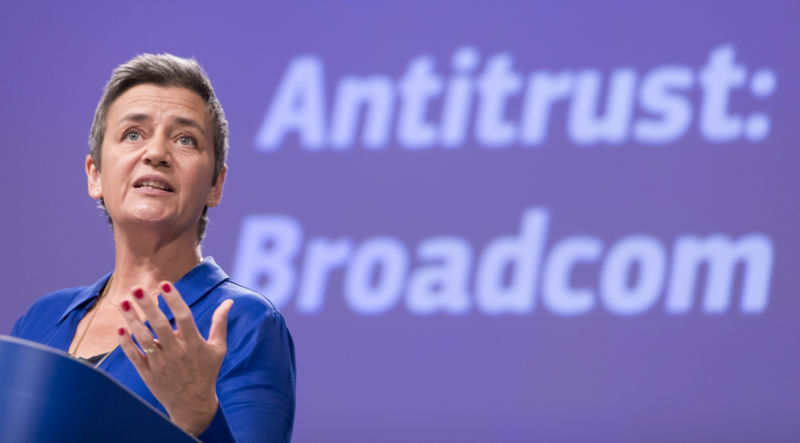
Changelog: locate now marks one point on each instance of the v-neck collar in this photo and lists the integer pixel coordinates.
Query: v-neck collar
(193, 286)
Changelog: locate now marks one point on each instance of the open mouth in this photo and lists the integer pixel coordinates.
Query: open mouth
(153, 183)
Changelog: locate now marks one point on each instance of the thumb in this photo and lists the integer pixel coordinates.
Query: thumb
(218, 333)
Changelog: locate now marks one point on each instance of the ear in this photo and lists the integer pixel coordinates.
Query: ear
(93, 179)
(216, 191)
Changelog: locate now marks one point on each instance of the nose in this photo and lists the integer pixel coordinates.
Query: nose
(157, 153)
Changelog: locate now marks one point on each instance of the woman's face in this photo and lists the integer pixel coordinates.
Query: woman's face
(157, 160)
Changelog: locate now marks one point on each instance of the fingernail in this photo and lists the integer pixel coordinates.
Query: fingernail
(138, 293)
(126, 305)
(166, 287)
(121, 331)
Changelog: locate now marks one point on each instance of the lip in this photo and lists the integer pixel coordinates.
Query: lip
(153, 191)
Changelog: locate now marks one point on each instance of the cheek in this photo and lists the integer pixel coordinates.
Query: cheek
(113, 178)
(201, 177)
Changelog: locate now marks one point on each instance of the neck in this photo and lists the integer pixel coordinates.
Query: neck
(144, 258)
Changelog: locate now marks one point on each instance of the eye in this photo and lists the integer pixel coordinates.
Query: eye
(186, 140)
(132, 136)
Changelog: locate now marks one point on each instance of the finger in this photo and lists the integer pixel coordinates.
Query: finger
(183, 315)
(135, 325)
(158, 321)
(130, 349)
(218, 333)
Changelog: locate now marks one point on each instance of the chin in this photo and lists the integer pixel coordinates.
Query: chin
(149, 213)
(148, 218)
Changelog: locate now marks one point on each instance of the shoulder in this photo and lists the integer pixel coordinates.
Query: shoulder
(57, 301)
(252, 315)
(246, 302)
(257, 332)
(46, 311)
(61, 298)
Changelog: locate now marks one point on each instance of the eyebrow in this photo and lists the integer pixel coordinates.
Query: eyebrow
(180, 121)
(138, 118)
(183, 121)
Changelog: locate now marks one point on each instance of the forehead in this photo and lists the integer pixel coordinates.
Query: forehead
(159, 102)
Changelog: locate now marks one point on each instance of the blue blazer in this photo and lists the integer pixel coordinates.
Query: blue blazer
(256, 383)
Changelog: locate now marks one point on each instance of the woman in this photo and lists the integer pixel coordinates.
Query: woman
(158, 146)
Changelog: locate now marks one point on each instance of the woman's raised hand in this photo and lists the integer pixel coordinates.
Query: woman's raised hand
(180, 368)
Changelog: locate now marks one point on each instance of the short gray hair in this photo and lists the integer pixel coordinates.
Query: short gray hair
(161, 70)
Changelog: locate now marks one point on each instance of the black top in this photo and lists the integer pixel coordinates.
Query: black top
(93, 360)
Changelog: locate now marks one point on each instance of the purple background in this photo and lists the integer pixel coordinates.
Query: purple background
(401, 377)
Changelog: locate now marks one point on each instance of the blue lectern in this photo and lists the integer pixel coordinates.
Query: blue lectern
(45, 396)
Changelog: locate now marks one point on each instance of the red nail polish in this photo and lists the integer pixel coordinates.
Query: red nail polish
(166, 287)
(138, 293)
(126, 305)
(121, 331)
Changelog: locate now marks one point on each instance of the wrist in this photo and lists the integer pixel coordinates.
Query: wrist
(196, 418)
